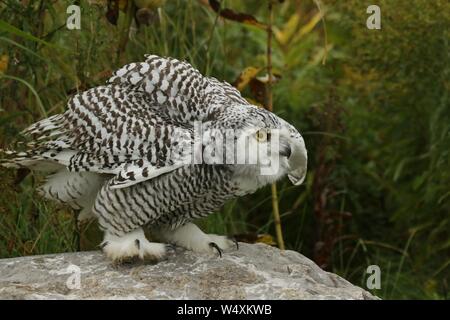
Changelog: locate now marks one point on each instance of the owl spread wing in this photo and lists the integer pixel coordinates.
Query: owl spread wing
(129, 127)
(185, 93)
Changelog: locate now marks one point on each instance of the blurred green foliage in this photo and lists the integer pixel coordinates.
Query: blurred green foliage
(372, 106)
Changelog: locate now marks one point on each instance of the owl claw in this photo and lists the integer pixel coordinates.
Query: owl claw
(132, 246)
(103, 244)
(137, 244)
(170, 248)
(236, 243)
(190, 237)
(215, 246)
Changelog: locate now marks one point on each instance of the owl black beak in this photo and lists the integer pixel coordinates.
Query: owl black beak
(298, 160)
(285, 150)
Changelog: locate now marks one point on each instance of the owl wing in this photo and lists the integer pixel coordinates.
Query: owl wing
(129, 126)
(182, 91)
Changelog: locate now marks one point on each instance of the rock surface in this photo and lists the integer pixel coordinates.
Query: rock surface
(253, 272)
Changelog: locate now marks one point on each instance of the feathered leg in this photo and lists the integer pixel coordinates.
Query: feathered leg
(134, 244)
(190, 236)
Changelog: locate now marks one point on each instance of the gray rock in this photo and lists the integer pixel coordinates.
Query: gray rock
(253, 272)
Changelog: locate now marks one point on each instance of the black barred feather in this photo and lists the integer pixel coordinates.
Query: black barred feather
(112, 151)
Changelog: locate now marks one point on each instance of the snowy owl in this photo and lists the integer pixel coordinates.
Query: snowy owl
(158, 146)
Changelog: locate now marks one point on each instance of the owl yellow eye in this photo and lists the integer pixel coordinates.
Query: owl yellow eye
(262, 135)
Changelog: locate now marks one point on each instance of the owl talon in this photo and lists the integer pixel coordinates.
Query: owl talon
(137, 243)
(190, 237)
(132, 246)
(236, 243)
(170, 248)
(103, 244)
(215, 246)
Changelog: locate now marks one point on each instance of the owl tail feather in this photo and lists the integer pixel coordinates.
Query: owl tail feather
(48, 151)
(48, 157)
(15, 159)
(31, 159)
(45, 127)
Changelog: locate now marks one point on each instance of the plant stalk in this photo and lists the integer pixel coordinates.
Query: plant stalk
(275, 206)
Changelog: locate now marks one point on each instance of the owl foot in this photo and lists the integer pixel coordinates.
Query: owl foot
(132, 246)
(215, 246)
(190, 236)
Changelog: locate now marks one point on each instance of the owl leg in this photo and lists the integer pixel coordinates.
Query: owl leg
(190, 236)
(132, 245)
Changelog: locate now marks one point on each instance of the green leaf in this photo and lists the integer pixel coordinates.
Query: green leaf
(21, 47)
(6, 27)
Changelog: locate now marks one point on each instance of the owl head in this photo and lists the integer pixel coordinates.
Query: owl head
(257, 145)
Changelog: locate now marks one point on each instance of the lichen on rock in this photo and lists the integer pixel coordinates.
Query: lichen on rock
(253, 272)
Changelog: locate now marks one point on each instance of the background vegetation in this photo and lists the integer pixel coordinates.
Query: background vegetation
(372, 106)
